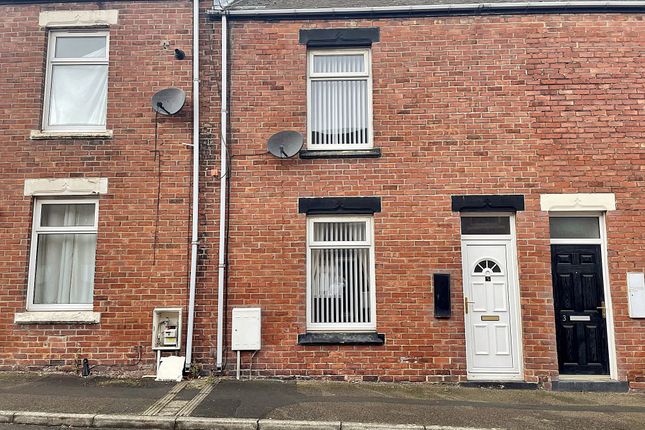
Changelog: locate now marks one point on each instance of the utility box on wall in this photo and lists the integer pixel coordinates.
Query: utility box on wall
(247, 329)
(166, 329)
(636, 294)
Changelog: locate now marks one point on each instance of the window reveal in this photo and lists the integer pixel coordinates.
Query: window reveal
(341, 285)
(63, 253)
(340, 108)
(76, 81)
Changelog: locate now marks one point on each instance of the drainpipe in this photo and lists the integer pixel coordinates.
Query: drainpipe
(194, 241)
(223, 172)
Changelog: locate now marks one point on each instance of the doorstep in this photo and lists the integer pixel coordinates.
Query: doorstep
(595, 383)
(501, 385)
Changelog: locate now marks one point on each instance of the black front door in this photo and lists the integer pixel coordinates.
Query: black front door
(579, 302)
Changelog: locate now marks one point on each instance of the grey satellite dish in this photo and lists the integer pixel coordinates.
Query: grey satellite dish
(285, 144)
(169, 101)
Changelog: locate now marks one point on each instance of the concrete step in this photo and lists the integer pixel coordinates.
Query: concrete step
(597, 386)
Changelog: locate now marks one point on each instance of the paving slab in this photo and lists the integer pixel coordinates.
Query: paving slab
(53, 419)
(133, 421)
(193, 423)
(297, 425)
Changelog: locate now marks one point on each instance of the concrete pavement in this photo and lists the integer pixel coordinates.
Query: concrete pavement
(211, 403)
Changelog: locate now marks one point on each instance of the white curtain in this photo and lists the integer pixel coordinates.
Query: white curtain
(78, 95)
(65, 261)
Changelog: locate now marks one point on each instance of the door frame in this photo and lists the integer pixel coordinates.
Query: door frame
(609, 309)
(514, 293)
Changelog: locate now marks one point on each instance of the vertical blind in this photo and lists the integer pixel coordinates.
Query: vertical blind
(340, 278)
(339, 106)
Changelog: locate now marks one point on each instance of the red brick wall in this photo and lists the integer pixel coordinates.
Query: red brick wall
(462, 105)
(128, 283)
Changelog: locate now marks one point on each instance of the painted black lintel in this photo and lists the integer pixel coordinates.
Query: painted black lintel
(488, 203)
(339, 37)
(339, 205)
(356, 153)
(341, 339)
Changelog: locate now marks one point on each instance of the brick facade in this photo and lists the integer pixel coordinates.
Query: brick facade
(129, 283)
(515, 104)
(462, 105)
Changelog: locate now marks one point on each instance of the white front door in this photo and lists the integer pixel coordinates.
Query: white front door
(490, 305)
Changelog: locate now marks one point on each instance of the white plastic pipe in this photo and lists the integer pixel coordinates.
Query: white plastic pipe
(223, 173)
(194, 241)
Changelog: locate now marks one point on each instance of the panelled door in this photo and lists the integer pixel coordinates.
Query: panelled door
(579, 303)
(489, 306)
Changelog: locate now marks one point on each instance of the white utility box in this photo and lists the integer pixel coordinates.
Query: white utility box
(166, 329)
(636, 294)
(247, 329)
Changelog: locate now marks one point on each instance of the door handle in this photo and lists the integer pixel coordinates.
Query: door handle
(466, 302)
(603, 309)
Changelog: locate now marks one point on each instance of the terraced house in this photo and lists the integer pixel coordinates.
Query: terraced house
(387, 191)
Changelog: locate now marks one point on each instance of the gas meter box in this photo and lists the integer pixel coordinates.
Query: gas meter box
(166, 329)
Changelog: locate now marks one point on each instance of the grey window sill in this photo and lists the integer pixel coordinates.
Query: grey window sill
(341, 338)
(57, 317)
(45, 135)
(355, 153)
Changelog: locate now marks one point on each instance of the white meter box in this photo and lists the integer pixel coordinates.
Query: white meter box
(166, 329)
(247, 329)
(636, 294)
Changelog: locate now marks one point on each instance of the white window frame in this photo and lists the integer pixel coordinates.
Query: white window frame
(52, 61)
(368, 243)
(366, 76)
(36, 231)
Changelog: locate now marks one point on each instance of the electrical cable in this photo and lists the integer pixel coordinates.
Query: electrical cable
(157, 157)
(251, 363)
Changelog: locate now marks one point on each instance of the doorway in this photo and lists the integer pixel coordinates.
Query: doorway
(491, 297)
(580, 305)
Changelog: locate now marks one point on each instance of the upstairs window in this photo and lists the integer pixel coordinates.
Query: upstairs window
(339, 113)
(340, 282)
(76, 81)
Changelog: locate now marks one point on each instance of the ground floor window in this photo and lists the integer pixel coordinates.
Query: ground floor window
(61, 271)
(340, 273)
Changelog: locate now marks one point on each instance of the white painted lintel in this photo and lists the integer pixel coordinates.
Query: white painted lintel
(599, 202)
(78, 18)
(65, 186)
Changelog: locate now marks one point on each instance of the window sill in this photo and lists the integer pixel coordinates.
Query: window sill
(307, 154)
(341, 338)
(46, 135)
(56, 317)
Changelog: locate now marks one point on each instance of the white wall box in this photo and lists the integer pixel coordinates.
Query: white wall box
(247, 329)
(166, 329)
(636, 294)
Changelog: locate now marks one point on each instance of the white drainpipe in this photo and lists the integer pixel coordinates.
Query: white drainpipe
(194, 242)
(223, 172)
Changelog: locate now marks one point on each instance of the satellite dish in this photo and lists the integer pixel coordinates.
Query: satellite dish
(285, 144)
(169, 101)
